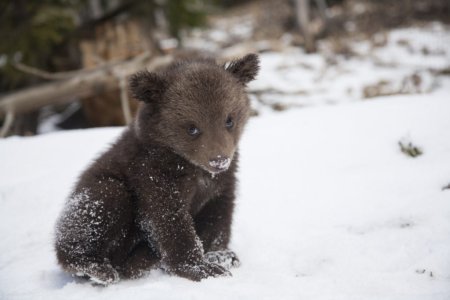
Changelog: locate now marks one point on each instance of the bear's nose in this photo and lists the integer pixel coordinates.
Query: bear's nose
(220, 163)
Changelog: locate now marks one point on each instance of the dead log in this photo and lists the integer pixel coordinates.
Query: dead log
(57, 92)
(84, 84)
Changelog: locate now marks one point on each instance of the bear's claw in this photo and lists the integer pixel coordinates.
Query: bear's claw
(225, 258)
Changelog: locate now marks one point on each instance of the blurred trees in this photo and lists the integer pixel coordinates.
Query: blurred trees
(61, 35)
(30, 32)
(40, 37)
(45, 33)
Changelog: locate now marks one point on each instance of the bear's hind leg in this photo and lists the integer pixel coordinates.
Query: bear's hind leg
(96, 229)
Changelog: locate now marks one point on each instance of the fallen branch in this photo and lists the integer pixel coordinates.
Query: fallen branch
(272, 91)
(70, 74)
(43, 74)
(7, 123)
(85, 83)
(124, 100)
(277, 106)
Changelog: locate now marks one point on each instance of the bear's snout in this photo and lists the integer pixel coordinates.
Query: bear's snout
(220, 163)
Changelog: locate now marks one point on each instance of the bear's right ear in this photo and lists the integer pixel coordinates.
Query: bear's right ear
(147, 86)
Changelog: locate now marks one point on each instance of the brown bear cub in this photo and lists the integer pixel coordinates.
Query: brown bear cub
(162, 196)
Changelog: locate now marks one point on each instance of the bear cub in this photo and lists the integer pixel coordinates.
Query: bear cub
(162, 196)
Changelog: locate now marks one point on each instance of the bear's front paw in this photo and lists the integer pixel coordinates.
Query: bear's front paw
(102, 274)
(225, 258)
(201, 270)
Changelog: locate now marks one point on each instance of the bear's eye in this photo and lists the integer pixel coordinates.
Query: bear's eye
(229, 123)
(193, 130)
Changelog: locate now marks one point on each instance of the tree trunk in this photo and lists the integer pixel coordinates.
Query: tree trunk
(303, 14)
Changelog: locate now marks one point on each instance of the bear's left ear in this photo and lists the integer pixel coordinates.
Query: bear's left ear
(147, 86)
(244, 69)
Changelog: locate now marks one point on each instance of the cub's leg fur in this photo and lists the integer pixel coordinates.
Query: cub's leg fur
(96, 234)
(141, 259)
(213, 226)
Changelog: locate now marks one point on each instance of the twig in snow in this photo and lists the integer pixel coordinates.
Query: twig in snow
(409, 149)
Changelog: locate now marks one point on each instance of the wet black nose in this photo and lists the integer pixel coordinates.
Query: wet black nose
(220, 163)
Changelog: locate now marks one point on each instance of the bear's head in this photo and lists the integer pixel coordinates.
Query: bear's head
(196, 108)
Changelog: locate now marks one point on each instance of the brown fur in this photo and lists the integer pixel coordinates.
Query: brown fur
(160, 196)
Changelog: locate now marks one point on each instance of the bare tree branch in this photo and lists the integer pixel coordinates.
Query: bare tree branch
(85, 83)
(70, 74)
(7, 123)
(124, 100)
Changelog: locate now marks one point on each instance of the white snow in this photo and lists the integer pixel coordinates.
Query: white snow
(328, 206)
(405, 62)
(335, 211)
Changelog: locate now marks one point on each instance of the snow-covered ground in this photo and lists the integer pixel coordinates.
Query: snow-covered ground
(328, 208)
(402, 61)
(328, 205)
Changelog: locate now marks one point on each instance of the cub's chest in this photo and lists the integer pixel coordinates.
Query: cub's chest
(205, 188)
(206, 185)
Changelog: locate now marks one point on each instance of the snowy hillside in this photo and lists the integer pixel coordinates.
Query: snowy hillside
(328, 208)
